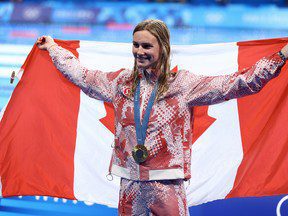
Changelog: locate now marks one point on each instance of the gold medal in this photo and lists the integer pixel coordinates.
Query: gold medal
(140, 153)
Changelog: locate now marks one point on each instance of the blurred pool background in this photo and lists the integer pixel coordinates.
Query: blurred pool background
(190, 22)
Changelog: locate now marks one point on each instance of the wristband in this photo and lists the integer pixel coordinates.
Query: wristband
(282, 56)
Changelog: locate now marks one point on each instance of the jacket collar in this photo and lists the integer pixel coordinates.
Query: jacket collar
(151, 77)
(149, 74)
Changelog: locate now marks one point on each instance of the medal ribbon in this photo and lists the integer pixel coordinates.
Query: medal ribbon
(141, 130)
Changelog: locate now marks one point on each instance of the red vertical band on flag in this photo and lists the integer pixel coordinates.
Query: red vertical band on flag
(38, 130)
(263, 119)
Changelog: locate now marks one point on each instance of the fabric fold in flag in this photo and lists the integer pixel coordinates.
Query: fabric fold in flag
(56, 141)
(29, 164)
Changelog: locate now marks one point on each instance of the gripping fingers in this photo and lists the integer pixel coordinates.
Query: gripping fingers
(44, 42)
(41, 40)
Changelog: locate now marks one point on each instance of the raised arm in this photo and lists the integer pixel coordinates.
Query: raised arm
(208, 90)
(95, 83)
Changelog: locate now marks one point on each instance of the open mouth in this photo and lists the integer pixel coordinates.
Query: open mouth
(142, 58)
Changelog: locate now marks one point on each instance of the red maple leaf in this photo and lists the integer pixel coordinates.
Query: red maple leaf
(109, 119)
(202, 121)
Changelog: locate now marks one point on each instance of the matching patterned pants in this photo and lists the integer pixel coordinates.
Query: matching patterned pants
(162, 197)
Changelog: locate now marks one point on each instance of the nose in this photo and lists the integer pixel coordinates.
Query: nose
(140, 51)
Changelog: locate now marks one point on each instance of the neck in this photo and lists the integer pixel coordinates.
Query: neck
(150, 74)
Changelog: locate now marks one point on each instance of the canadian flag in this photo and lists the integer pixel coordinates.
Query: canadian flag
(56, 141)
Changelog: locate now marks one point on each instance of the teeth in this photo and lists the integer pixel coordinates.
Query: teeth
(142, 57)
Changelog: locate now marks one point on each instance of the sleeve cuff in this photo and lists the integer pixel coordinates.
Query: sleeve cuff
(52, 47)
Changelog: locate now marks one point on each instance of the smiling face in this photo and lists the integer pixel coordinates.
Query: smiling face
(146, 50)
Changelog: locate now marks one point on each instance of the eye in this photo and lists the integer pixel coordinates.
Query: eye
(136, 45)
(147, 46)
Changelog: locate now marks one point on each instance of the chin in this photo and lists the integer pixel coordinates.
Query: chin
(142, 67)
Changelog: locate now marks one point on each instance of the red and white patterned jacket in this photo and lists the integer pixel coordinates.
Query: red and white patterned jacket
(169, 134)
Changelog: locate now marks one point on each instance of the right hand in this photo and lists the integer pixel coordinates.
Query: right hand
(284, 51)
(45, 42)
